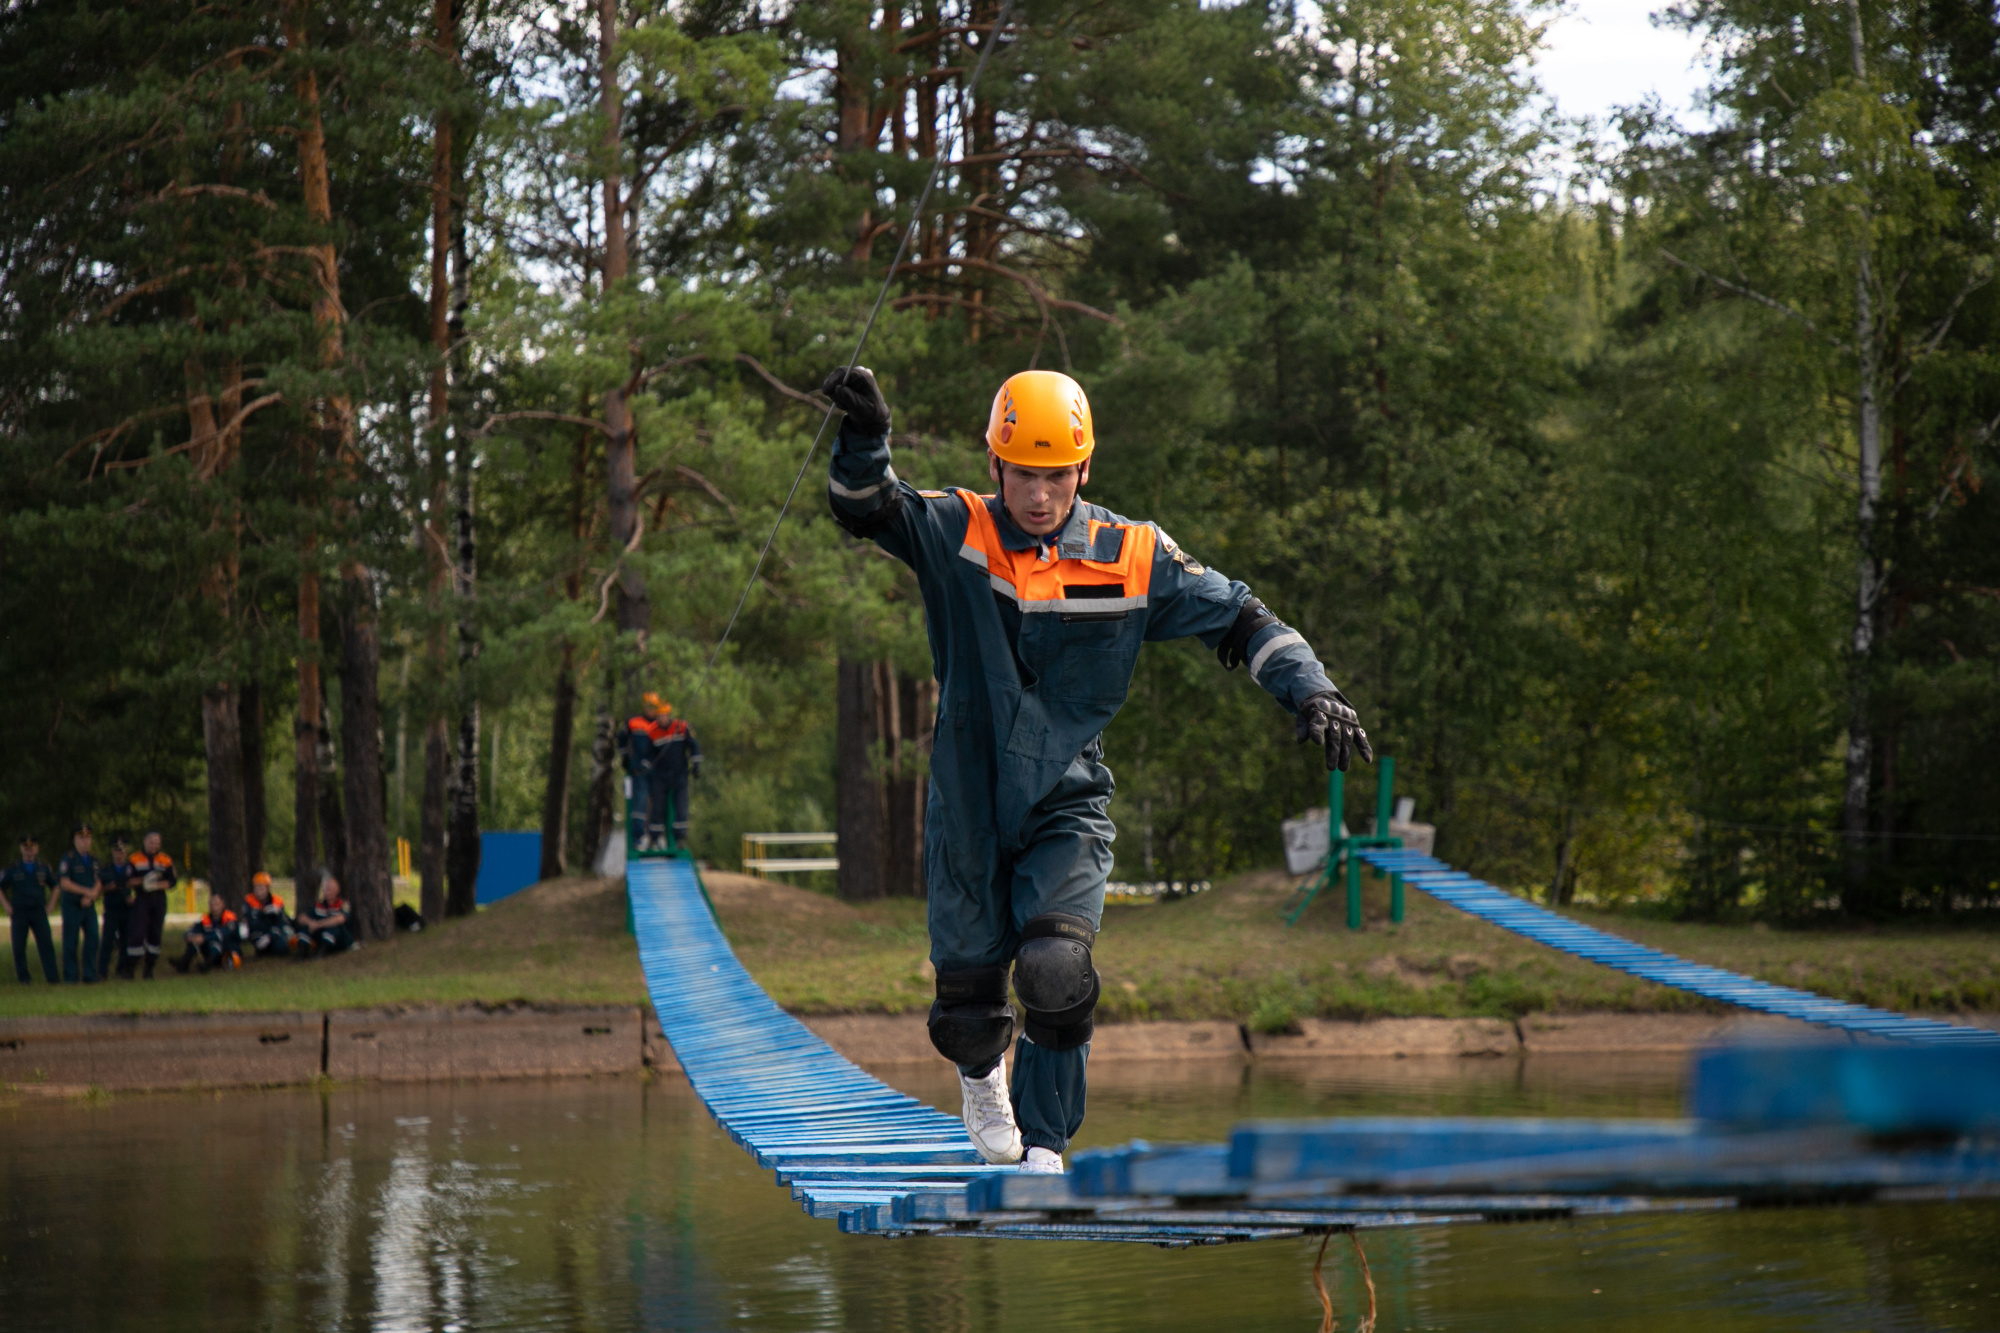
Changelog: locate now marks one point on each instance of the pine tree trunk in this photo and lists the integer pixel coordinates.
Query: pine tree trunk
(555, 795)
(1868, 571)
(909, 786)
(462, 840)
(332, 820)
(437, 761)
(600, 810)
(431, 845)
(250, 735)
(635, 614)
(228, 861)
(861, 810)
(305, 740)
(369, 882)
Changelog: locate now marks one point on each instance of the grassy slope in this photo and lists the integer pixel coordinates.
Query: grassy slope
(1226, 954)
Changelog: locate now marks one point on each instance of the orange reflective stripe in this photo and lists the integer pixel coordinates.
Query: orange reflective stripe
(1036, 584)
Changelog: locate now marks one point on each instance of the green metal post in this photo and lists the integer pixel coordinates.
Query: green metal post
(1385, 795)
(1353, 891)
(1336, 799)
(1396, 899)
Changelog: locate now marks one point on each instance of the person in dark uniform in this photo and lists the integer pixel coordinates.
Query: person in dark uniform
(325, 927)
(76, 885)
(676, 758)
(266, 928)
(114, 890)
(153, 874)
(30, 889)
(216, 941)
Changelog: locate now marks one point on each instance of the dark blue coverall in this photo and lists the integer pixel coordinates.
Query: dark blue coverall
(676, 752)
(27, 884)
(79, 918)
(114, 877)
(1017, 823)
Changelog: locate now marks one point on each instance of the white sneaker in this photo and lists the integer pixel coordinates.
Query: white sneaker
(989, 1116)
(1042, 1162)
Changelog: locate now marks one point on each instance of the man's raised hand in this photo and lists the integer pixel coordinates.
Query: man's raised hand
(855, 392)
(1330, 721)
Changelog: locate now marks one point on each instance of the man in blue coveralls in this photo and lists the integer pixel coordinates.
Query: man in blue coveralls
(1036, 604)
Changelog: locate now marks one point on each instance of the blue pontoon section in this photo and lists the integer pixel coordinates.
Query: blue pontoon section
(1844, 1123)
(1503, 909)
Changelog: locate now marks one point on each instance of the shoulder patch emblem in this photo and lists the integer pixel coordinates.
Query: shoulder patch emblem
(933, 495)
(1174, 552)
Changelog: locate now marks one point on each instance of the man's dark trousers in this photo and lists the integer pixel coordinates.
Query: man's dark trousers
(115, 905)
(34, 916)
(79, 927)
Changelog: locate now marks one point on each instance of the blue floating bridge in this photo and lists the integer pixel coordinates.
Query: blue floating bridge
(1845, 1123)
(1503, 909)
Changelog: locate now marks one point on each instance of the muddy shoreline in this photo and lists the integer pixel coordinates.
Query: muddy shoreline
(74, 1056)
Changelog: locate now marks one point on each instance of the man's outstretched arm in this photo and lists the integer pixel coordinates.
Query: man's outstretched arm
(862, 488)
(1189, 600)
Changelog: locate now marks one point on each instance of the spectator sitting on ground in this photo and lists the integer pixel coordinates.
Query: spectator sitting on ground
(265, 925)
(214, 942)
(324, 927)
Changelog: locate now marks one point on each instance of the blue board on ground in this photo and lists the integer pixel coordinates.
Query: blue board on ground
(508, 863)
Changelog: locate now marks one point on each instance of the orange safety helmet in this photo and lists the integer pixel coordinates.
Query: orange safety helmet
(261, 880)
(655, 705)
(1041, 418)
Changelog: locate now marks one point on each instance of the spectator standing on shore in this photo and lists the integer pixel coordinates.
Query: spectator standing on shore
(114, 890)
(76, 884)
(30, 888)
(265, 924)
(153, 874)
(215, 941)
(323, 927)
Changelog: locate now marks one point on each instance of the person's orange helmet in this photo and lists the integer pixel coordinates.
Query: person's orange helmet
(655, 705)
(1041, 418)
(261, 880)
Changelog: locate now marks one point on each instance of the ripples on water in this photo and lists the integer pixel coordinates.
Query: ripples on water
(615, 1205)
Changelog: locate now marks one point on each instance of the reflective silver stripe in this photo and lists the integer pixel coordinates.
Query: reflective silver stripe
(1001, 585)
(1087, 605)
(1271, 645)
(972, 553)
(844, 493)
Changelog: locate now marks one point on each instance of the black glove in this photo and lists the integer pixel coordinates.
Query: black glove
(856, 393)
(1329, 720)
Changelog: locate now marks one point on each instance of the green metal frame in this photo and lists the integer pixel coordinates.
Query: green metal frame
(1339, 849)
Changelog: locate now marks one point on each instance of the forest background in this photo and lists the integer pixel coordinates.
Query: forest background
(388, 391)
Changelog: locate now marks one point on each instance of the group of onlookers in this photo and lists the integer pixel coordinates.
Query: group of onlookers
(132, 889)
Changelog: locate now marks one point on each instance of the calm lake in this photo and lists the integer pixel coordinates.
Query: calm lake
(616, 1204)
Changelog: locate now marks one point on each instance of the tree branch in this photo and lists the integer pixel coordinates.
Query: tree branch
(1752, 294)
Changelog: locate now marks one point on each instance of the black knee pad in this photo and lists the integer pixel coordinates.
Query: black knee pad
(971, 1021)
(1057, 984)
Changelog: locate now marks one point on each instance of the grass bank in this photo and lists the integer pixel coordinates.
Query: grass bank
(1225, 954)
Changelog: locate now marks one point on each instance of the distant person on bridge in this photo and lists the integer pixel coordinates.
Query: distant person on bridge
(1036, 604)
(661, 753)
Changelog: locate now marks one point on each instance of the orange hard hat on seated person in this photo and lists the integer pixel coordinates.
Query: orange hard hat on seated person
(1040, 418)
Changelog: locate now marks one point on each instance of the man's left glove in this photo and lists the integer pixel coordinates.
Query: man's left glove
(855, 392)
(694, 768)
(1329, 720)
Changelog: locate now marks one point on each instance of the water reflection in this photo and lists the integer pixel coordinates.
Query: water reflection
(614, 1205)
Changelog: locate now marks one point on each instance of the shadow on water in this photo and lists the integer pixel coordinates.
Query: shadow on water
(612, 1204)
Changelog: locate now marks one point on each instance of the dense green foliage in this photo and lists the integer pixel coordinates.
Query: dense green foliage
(1546, 441)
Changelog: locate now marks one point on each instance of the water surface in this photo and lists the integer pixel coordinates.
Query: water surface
(616, 1204)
